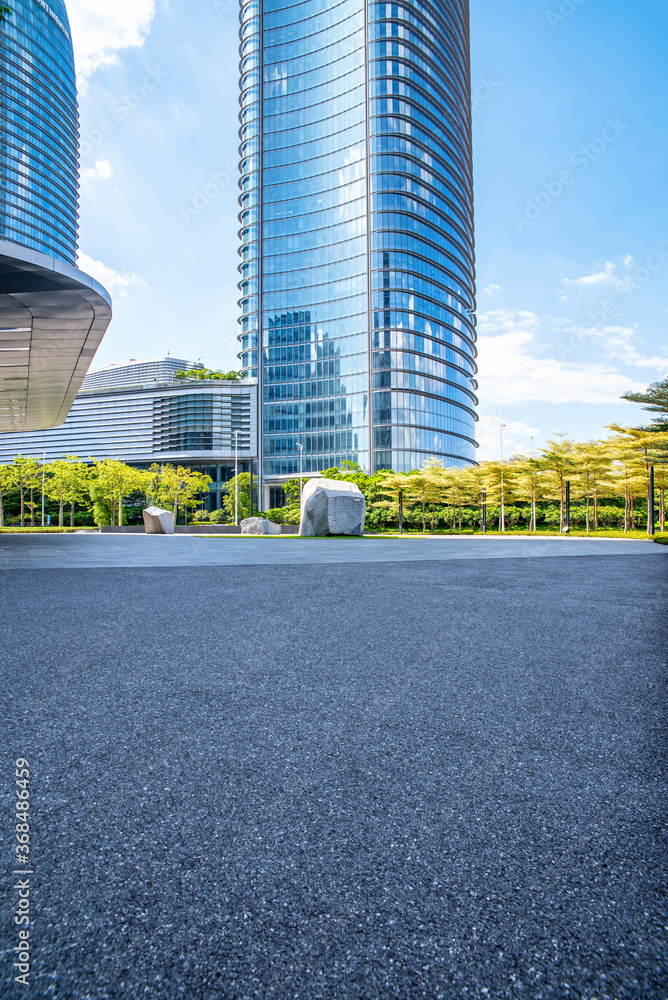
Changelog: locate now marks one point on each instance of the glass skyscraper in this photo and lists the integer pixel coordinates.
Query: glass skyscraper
(52, 315)
(39, 139)
(357, 268)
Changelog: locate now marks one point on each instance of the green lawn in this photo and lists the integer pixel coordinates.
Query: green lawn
(541, 533)
(43, 531)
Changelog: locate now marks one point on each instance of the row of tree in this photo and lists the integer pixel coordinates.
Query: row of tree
(104, 488)
(575, 479)
(606, 481)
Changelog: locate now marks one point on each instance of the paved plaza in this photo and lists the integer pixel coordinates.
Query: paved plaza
(90, 549)
(377, 769)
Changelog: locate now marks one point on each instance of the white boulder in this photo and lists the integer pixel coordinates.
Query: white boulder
(332, 507)
(259, 526)
(158, 521)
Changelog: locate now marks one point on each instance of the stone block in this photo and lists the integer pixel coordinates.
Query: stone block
(259, 526)
(158, 521)
(332, 507)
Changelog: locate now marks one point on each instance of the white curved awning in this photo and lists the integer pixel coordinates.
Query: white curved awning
(52, 320)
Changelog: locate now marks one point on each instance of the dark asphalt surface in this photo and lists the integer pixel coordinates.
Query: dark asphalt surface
(366, 782)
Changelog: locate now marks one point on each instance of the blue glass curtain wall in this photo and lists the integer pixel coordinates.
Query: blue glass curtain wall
(357, 268)
(39, 130)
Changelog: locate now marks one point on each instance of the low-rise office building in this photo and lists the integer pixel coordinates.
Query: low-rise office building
(139, 413)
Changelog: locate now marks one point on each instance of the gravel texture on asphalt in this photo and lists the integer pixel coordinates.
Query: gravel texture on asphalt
(341, 782)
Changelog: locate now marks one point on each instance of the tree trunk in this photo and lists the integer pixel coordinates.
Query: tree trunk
(2, 512)
(595, 510)
(424, 527)
(61, 510)
(662, 508)
(587, 511)
(32, 507)
(120, 508)
(72, 515)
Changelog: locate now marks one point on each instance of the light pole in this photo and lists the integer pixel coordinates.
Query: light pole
(651, 522)
(236, 477)
(301, 456)
(43, 483)
(503, 509)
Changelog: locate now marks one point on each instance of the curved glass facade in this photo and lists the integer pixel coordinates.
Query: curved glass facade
(39, 130)
(357, 274)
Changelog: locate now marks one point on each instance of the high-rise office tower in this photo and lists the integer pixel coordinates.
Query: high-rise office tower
(357, 271)
(52, 315)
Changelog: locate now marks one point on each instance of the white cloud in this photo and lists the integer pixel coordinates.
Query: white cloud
(116, 282)
(607, 276)
(512, 372)
(101, 28)
(102, 171)
(492, 288)
(618, 343)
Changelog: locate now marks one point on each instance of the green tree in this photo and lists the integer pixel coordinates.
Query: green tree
(656, 400)
(173, 487)
(110, 482)
(26, 477)
(68, 481)
(5, 12)
(7, 486)
(206, 375)
(242, 482)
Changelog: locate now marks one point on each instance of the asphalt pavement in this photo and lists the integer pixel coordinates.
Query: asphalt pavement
(383, 780)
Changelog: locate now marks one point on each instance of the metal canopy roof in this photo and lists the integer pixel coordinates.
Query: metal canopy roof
(52, 319)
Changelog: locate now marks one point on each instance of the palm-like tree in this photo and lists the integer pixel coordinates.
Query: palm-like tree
(560, 464)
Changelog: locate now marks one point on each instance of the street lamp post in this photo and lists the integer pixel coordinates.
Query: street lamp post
(651, 521)
(301, 456)
(236, 477)
(503, 507)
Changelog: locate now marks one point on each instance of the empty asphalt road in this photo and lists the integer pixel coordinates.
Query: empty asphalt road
(341, 781)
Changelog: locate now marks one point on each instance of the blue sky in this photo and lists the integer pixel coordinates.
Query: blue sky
(570, 136)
